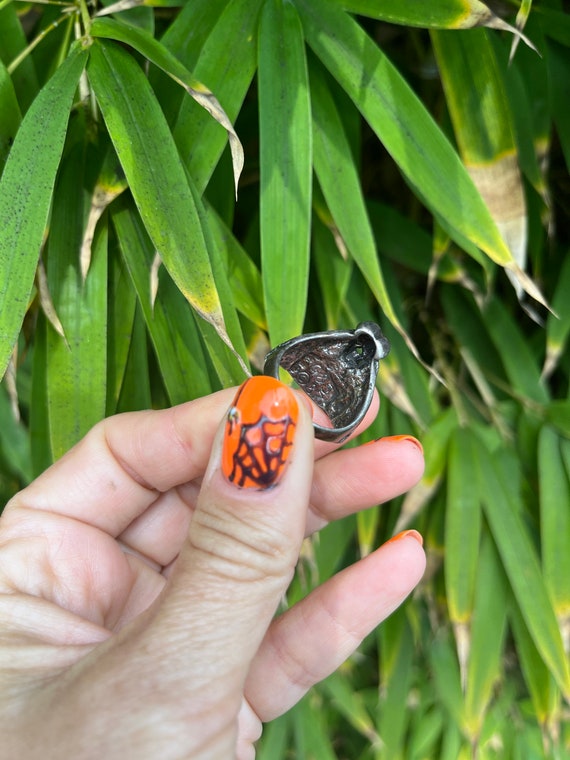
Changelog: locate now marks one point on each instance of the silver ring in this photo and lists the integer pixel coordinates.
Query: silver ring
(337, 370)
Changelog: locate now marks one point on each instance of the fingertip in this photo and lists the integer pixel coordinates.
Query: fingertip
(408, 554)
(408, 439)
(404, 451)
(406, 534)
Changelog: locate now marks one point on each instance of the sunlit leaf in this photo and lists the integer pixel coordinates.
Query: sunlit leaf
(150, 161)
(25, 201)
(285, 135)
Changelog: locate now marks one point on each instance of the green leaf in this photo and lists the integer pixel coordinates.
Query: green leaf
(273, 743)
(558, 62)
(476, 97)
(135, 389)
(156, 178)
(554, 490)
(488, 631)
(243, 275)
(462, 526)
(200, 140)
(26, 190)
(285, 135)
(311, 737)
(41, 453)
(444, 14)
(332, 270)
(558, 323)
(12, 43)
(557, 413)
(396, 646)
(229, 364)
(10, 116)
(184, 38)
(349, 703)
(156, 53)
(446, 678)
(406, 129)
(169, 321)
(520, 364)
(14, 441)
(122, 305)
(541, 685)
(340, 183)
(519, 558)
(76, 363)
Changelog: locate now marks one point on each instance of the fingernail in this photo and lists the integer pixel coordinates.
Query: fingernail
(403, 534)
(409, 438)
(260, 428)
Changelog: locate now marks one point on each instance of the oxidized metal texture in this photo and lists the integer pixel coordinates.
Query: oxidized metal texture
(337, 370)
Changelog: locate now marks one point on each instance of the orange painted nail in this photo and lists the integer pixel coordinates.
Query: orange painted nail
(409, 438)
(403, 534)
(260, 428)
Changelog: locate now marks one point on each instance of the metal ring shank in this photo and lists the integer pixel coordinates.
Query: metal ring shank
(337, 370)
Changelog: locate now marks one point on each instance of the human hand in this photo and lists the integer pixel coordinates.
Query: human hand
(138, 585)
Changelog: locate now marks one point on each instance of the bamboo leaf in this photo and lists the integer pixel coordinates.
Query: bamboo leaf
(408, 132)
(135, 391)
(311, 736)
(122, 306)
(76, 364)
(340, 183)
(152, 167)
(333, 272)
(40, 442)
(462, 526)
(12, 43)
(170, 324)
(274, 741)
(554, 518)
(199, 139)
(350, 704)
(522, 105)
(229, 364)
(436, 444)
(396, 645)
(445, 14)
(542, 687)
(243, 275)
(558, 323)
(520, 364)
(558, 61)
(520, 561)
(184, 38)
(557, 413)
(483, 125)
(26, 190)
(488, 630)
(446, 677)
(465, 321)
(522, 18)
(14, 441)
(285, 169)
(125, 5)
(10, 116)
(156, 53)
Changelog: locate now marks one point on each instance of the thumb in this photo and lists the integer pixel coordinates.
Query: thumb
(244, 539)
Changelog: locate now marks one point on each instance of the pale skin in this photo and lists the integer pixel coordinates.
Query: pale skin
(138, 588)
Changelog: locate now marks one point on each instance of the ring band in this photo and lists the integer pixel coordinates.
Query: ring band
(337, 370)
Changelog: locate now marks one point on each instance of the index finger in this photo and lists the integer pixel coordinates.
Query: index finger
(124, 464)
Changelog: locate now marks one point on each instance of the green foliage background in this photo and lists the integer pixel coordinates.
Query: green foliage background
(397, 168)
